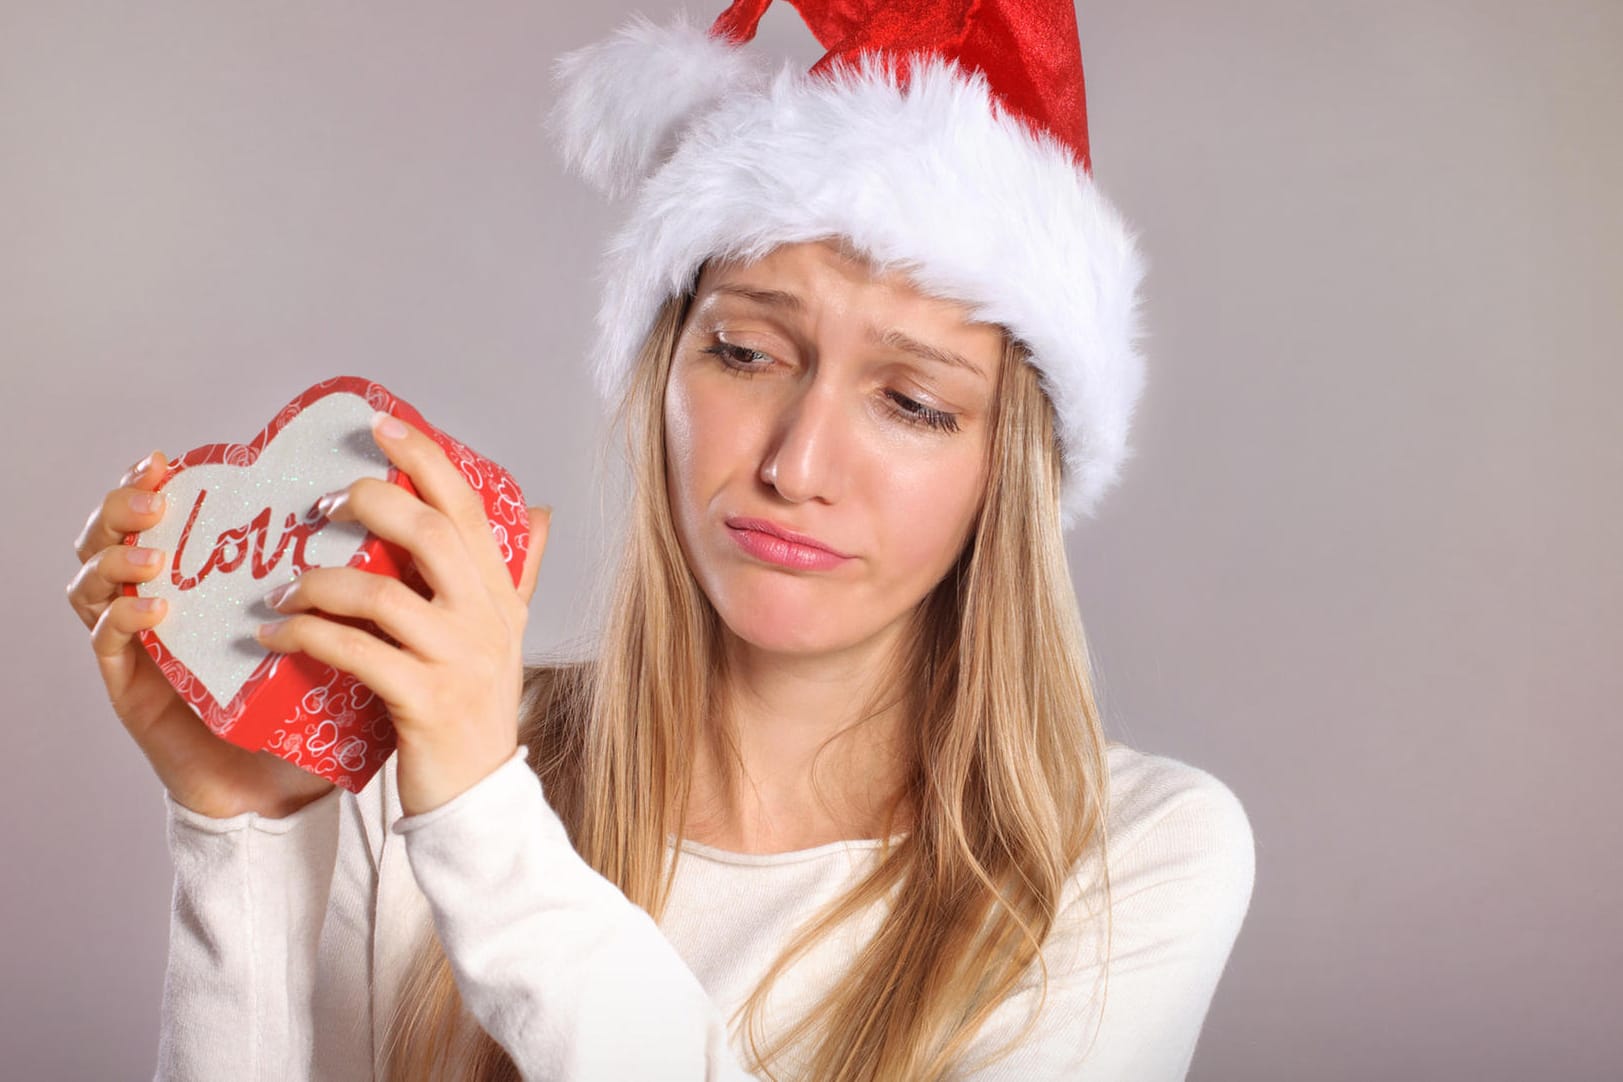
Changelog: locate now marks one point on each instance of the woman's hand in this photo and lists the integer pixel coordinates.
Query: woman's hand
(453, 684)
(211, 776)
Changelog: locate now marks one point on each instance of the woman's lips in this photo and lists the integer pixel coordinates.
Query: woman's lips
(763, 541)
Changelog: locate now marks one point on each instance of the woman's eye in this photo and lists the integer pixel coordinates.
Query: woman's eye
(742, 361)
(919, 414)
(738, 359)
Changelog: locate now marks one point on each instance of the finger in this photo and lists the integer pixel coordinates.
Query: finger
(114, 633)
(350, 591)
(100, 580)
(540, 524)
(120, 513)
(443, 487)
(151, 467)
(436, 544)
(381, 667)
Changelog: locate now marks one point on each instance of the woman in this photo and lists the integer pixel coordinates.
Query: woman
(832, 801)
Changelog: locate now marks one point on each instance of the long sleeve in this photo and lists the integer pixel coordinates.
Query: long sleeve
(268, 955)
(1182, 866)
(572, 979)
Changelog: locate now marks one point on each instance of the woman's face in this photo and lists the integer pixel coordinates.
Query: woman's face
(808, 397)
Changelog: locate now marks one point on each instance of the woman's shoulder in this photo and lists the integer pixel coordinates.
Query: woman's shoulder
(1173, 822)
(1146, 788)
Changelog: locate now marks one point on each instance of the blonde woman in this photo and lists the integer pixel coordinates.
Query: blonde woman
(832, 800)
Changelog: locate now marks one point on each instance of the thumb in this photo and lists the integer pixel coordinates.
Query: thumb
(540, 521)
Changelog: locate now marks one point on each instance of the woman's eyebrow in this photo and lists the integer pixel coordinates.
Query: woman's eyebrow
(773, 298)
(893, 339)
(897, 340)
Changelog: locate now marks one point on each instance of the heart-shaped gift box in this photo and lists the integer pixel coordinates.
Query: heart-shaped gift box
(240, 521)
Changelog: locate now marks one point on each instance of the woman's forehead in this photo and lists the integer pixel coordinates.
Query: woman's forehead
(796, 274)
(795, 288)
(841, 248)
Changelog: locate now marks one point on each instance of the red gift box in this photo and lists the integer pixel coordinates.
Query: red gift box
(240, 521)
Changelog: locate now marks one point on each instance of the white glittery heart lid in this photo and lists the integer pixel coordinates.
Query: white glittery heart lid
(210, 627)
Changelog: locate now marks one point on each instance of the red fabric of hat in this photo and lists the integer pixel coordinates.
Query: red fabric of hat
(1028, 51)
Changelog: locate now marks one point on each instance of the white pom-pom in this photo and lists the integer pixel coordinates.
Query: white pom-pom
(622, 102)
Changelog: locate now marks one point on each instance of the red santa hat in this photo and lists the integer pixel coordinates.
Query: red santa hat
(944, 138)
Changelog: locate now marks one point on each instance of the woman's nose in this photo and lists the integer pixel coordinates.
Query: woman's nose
(807, 457)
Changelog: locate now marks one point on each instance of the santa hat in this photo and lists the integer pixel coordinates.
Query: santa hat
(945, 139)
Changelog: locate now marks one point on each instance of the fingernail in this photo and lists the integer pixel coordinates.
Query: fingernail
(147, 502)
(147, 604)
(265, 631)
(324, 505)
(274, 598)
(387, 426)
(141, 467)
(143, 557)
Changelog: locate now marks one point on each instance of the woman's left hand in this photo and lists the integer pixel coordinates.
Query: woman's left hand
(452, 686)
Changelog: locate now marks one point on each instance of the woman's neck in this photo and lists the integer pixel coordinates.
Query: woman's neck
(808, 768)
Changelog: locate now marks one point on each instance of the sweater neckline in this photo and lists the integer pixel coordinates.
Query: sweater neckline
(817, 852)
(793, 856)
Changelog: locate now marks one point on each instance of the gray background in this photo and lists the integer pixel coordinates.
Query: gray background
(1364, 567)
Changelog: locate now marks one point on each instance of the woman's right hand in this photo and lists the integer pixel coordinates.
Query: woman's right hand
(203, 772)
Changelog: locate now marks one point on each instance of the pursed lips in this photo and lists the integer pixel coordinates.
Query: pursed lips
(783, 533)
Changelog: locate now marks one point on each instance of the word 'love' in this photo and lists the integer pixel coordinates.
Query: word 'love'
(247, 543)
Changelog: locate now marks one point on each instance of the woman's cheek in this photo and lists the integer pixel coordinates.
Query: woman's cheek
(921, 510)
(696, 429)
(930, 511)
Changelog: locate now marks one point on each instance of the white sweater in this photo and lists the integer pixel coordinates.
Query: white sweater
(289, 938)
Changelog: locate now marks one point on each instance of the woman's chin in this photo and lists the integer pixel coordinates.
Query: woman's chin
(781, 635)
(773, 623)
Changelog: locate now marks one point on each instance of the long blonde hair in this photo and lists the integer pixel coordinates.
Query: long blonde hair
(1005, 797)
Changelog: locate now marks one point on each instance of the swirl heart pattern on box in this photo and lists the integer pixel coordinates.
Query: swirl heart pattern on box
(240, 521)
